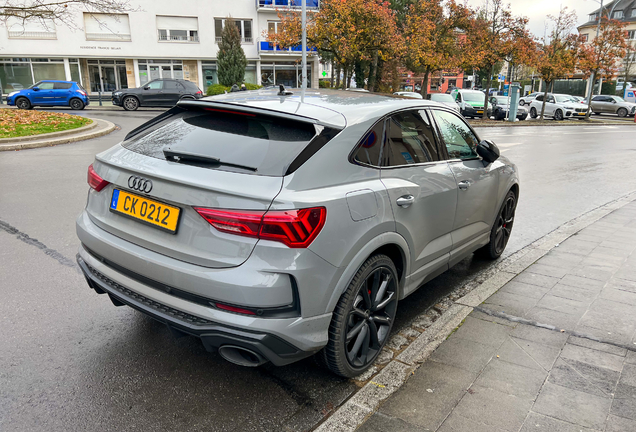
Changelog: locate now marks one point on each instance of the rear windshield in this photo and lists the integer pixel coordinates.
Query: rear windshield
(264, 145)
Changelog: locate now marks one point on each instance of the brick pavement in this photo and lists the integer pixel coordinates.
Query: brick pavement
(553, 350)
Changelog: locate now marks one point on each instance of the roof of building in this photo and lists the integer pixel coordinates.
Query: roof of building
(625, 5)
(335, 107)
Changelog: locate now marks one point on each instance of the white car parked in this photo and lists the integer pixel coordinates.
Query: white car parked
(558, 106)
(525, 100)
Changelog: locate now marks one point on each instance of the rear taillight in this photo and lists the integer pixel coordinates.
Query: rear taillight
(94, 180)
(82, 92)
(295, 228)
(234, 309)
(199, 92)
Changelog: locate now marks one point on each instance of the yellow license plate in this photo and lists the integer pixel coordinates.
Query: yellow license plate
(480, 112)
(152, 212)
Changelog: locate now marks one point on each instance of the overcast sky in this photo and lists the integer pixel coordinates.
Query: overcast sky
(538, 10)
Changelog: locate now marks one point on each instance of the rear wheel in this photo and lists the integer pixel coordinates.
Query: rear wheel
(622, 112)
(23, 103)
(558, 115)
(130, 103)
(522, 102)
(76, 104)
(502, 228)
(533, 112)
(362, 319)
(597, 113)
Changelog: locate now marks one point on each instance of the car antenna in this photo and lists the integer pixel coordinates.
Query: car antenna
(283, 92)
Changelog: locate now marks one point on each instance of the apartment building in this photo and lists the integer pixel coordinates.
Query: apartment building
(622, 10)
(160, 39)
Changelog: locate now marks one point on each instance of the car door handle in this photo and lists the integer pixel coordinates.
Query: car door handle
(405, 201)
(464, 185)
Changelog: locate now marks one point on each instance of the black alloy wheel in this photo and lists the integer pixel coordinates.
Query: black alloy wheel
(76, 104)
(363, 318)
(502, 228)
(23, 103)
(558, 115)
(130, 103)
(533, 112)
(622, 112)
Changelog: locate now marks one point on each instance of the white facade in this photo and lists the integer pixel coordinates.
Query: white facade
(164, 39)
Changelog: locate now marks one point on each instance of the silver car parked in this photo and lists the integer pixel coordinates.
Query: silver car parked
(273, 229)
(612, 105)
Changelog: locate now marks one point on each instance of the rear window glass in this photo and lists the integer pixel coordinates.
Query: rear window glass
(63, 86)
(266, 144)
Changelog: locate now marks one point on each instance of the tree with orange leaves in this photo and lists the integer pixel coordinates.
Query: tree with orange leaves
(350, 30)
(602, 54)
(432, 38)
(494, 35)
(557, 55)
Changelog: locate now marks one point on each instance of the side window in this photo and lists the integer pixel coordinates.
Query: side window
(62, 86)
(598, 98)
(460, 141)
(539, 98)
(370, 148)
(155, 85)
(172, 85)
(46, 86)
(409, 139)
(551, 99)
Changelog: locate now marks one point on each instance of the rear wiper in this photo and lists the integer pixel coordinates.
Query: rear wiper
(199, 160)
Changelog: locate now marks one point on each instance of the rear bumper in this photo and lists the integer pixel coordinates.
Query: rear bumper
(212, 334)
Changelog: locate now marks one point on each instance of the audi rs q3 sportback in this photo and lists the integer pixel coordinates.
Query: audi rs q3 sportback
(273, 228)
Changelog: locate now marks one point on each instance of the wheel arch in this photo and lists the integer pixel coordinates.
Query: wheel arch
(389, 243)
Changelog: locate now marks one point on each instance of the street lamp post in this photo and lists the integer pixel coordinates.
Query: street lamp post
(304, 48)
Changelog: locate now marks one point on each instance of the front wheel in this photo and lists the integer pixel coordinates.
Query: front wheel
(76, 104)
(130, 103)
(23, 103)
(558, 115)
(363, 318)
(502, 228)
(533, 112)
(622, 112)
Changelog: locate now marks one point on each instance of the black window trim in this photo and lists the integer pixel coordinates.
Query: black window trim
(439, 135)
(441, 150)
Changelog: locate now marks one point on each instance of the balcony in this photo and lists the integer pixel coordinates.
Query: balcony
(286, 4)
(176, 38)
(245, 40)
(107, 37)
(269, 48)
(31, 35)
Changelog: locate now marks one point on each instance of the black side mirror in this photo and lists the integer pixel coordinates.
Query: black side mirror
(36, 88)
(488, 151)
(146, 88)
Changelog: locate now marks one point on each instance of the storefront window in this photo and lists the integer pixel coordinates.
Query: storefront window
(75, 72)
(48, 71)
(250, 74)
(15, 76)
(143, 74)
(267, 75)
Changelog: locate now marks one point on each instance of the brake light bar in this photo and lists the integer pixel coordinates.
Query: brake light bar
(234, 309)
(95, 181)
(294, 228)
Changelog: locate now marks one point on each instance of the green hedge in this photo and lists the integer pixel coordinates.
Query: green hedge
(216, 89)
(324, 83)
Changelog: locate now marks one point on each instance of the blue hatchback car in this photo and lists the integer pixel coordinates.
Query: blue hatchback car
(50, 93)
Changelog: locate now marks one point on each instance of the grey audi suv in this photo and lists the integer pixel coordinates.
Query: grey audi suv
(275, 228)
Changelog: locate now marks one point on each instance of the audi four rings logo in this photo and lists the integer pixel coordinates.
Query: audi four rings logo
(139, 183)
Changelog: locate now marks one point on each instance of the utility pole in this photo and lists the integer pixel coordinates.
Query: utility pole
(304, 47)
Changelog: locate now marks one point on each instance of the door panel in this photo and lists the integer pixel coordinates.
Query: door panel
(422, 191)
(153, 95)
(45, 95)
(477, 184)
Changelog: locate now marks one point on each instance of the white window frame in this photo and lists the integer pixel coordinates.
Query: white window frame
(192, 33)
(244, 40)
(107, 34)
(43, 28)
(631, 34)
(618, 14)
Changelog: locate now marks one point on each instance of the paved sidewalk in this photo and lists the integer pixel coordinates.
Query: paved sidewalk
(553, 350)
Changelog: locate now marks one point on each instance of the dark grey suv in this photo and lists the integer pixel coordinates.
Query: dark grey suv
(157, 93)
(274, 229)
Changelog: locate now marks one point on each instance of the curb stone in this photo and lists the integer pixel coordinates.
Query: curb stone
(354, 412)
(104, 127)
(91, 125)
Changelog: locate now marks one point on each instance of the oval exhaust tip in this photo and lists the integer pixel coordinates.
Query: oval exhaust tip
(241, 356)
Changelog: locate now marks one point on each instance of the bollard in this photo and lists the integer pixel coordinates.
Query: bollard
(99, 92)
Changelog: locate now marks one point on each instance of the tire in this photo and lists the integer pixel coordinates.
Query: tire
(558, 115)
(533, 112)
(501, 229)
(622, 112)
(597, 113)
(76, 104)
(365, 322)
(523, 117)
(130, 103)
(23, 103)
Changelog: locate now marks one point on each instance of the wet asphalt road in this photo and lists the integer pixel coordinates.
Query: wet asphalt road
(69, 360)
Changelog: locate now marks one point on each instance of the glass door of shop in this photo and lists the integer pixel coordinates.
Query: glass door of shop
(105, 80)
